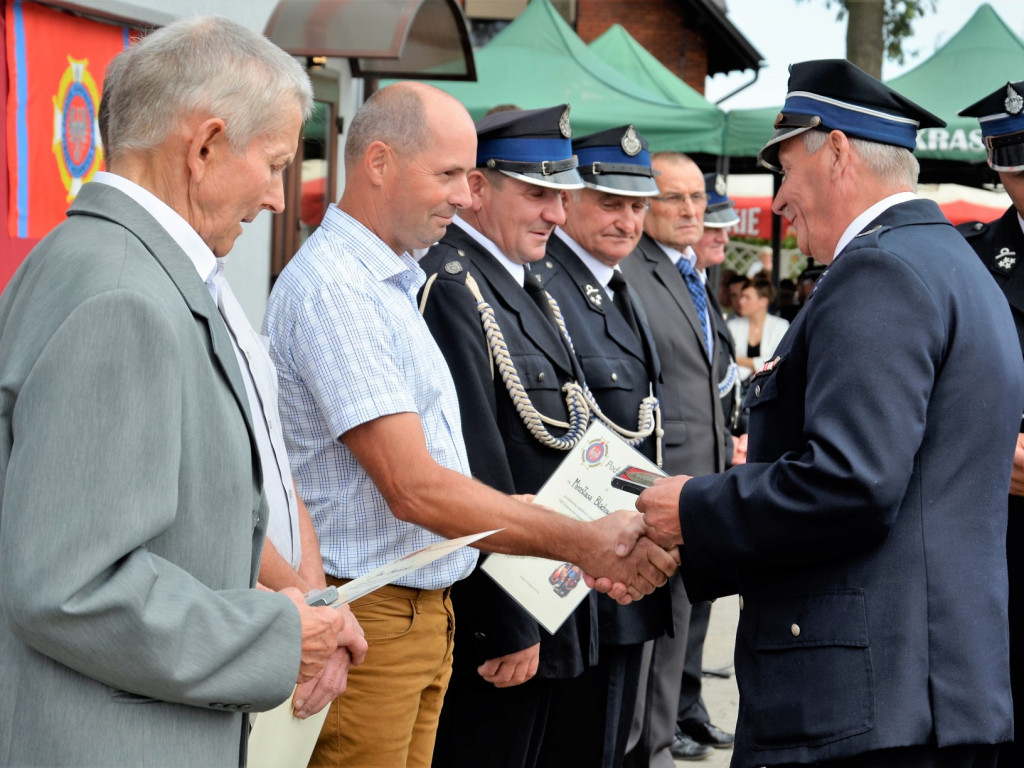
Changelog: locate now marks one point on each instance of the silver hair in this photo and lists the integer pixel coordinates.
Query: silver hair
(394, 115)
(895, 166)
(205, 65)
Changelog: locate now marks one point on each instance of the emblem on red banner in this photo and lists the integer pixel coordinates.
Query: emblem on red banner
(76, 134)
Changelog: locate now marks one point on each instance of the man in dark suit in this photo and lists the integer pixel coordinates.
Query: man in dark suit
(866, 533)
(696, 439)
(695, 732)
(1000, 244)
(614, 345)
(506, 666)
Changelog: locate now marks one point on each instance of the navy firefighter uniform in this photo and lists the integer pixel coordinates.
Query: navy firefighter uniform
(616, 351)
(866, 532)
(470, 286)
(1000, 245)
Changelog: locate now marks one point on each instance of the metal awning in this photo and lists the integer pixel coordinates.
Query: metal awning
(381, 38)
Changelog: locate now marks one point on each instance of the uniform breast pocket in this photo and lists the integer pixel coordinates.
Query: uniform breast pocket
(536, 373)
(611, 373)
(812, 677)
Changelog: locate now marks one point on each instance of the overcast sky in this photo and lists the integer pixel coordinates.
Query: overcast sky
(784, 31)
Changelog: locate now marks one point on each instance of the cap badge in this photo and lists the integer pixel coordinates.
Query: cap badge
(453, 268)
(563, 124)
(631, 142)
(1006, 260)
(720, 185)
(594, 294)
(1014, 103)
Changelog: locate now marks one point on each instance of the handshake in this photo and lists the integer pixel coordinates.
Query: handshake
(646, 544)
(624, 561)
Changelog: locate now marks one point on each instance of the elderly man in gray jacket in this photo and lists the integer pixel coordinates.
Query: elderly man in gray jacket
(133, 515)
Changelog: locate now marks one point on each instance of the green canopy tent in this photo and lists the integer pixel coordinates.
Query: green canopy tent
(621, 50)
(539, 61)
(984, 54)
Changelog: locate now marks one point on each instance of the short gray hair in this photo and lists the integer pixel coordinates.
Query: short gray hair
(895, 166)
(394, 115)
(202, 65)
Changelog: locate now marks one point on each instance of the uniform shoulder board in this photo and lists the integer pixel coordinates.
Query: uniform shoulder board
(971, 229)
(453, 266)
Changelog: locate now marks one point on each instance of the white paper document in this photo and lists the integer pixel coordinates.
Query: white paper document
(280, 740)
(393, 571)
(588, 484)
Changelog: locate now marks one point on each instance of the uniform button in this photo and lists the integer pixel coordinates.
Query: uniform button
(757, 390)
(615, 377)
(480, 635)
(795, 629)
(540, 376)
(741, 602)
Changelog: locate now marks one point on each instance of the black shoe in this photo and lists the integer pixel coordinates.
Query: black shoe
(706, 734)
(685, 748)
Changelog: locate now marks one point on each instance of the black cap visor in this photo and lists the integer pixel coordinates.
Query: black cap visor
(787, 125)
(620, 179)
(1006, 153)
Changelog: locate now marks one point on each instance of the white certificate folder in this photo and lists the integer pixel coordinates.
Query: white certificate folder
(581, 487)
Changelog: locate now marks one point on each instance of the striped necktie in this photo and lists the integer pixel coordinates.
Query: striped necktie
(700, 300)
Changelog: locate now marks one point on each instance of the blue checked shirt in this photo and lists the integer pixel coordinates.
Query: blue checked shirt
(350, 347)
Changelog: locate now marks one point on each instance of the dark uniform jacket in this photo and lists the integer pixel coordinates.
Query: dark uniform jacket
(502, 453)
(620, 370)
(1000, 244)
(866, 533)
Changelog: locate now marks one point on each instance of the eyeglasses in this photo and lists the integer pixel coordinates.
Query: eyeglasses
(675, 199)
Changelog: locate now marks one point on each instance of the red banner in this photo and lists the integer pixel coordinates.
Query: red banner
(755, 218)
(55, 66)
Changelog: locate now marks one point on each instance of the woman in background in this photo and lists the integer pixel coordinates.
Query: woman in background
(755, 332)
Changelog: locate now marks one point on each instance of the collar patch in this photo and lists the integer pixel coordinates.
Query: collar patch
(1005, 261)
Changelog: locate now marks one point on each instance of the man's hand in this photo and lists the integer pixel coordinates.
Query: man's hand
(312, 696)
(321, 628)
(623, 563)
(659, 505)
(1017, 476)
(511, 669)
(331, 677)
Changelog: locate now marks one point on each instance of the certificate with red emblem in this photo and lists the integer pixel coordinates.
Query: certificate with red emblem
(600, 475)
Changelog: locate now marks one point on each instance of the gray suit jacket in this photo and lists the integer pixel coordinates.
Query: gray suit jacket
(132, 518)
(695, 429)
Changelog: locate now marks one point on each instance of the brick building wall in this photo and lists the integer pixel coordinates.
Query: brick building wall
(658, 25)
